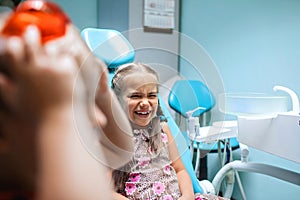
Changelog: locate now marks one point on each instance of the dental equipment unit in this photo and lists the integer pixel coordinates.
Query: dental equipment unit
(264, 124)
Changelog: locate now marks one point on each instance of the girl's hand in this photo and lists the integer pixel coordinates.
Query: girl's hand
(187, 197)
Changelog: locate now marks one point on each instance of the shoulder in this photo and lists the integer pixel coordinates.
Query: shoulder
(166, 129)
(164, 126)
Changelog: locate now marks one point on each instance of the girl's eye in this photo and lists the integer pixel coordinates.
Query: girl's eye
(152, 96)
(135, 96)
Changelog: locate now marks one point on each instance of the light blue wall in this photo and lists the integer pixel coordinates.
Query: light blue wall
(83, 13)
(113, 14)
(254, 45)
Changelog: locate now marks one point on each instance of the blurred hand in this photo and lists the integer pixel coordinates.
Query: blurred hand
(34, 81)
(33, 85)
(115, 134)
(92, 69)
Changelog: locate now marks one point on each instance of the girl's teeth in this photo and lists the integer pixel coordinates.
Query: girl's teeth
(143, 113)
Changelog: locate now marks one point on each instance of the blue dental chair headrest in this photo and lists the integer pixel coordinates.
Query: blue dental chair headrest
(187, 95)
(109, 45)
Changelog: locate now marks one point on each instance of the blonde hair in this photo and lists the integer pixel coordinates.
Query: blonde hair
(126, 69)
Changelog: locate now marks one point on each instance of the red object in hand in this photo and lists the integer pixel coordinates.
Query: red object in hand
(47, 16)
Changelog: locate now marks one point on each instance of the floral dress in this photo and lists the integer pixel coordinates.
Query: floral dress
(151, 174)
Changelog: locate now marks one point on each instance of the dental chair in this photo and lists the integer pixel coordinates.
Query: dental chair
(192, 99)
(114, 49)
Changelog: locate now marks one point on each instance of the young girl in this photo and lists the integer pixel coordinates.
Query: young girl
(156, 170)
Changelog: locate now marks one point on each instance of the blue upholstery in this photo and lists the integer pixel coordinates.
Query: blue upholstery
(109, 45)
(95, 39)
(186, 95)
(183, 149)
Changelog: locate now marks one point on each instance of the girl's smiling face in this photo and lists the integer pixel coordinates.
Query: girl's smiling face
(139, 97)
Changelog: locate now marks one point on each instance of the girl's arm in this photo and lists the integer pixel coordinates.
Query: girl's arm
(184, 181)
